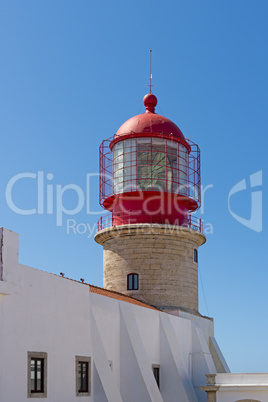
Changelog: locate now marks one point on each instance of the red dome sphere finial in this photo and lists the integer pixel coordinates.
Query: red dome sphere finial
(150, 102)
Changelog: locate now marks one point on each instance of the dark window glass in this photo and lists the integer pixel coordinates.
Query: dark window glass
(133, 282)
(82, 376)
(37, 375)
(130, 282)
(195, 255)
(156, 371)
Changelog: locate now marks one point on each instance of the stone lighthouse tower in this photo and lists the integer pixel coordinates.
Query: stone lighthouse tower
(150, 184)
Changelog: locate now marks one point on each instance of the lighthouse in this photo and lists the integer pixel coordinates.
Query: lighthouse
(150, 185)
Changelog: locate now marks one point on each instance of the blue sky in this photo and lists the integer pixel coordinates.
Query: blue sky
(72, 72)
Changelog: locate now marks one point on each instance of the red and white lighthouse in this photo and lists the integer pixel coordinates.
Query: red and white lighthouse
(150, 184)
(149, 172)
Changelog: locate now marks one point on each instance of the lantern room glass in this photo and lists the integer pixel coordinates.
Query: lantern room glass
(150, 164)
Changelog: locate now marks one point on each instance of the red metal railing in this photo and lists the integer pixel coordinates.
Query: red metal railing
(110, 219)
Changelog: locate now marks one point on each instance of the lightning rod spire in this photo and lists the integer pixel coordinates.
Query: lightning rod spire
(150, 79)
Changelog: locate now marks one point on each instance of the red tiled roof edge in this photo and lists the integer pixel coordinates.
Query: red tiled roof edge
(119, 296)
(111, 293)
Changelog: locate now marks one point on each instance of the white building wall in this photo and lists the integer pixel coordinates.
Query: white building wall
(41, 312)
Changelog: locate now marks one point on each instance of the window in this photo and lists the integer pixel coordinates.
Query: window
(195, 255)
(150, 164)
(157, 161)
(156, 372)
(183, 163)
(124, 166)
(83, 376)
(133, 282)
(37, 375)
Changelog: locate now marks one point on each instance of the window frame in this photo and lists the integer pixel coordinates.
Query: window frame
(83, 360)
(43, 392)
(132, 275)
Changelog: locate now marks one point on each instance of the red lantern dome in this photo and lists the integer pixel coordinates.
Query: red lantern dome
(150, 122)
(149, 172)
